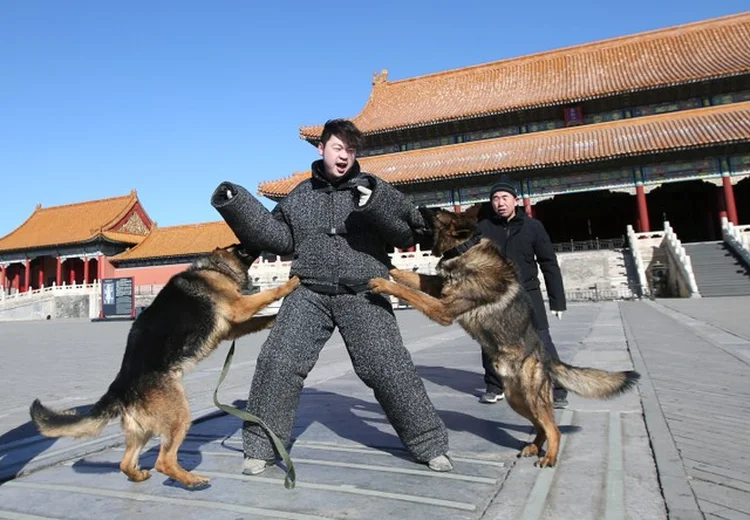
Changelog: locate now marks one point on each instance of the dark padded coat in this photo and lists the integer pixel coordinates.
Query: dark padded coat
(525, 242)
(332, 238)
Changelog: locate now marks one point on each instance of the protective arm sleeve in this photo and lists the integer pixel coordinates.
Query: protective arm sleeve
(255, 227)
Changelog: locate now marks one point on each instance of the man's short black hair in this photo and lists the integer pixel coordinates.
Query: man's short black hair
(344, 130)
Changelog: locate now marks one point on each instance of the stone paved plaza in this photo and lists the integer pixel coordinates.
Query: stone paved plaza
(667, 450)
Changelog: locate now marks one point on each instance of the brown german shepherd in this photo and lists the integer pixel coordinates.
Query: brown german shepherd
(476, 285)
(196, 310)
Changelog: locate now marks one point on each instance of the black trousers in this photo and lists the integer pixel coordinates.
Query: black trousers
(494, 382)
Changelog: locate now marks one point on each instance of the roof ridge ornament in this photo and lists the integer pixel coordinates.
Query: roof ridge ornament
(379, 78)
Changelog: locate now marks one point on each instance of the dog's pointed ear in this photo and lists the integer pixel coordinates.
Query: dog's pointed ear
(443, 216)
(473, 211)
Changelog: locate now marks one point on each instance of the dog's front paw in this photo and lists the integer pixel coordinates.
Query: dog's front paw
(289, 286)
(396, 274)
(379, 285)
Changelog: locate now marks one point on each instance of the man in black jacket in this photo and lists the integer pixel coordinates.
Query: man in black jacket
(338, 225)
(525, 242)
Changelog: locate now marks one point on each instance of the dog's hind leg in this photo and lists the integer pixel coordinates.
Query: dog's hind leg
(172, 412)
(547, 421)
(518, 402)
(135, 439)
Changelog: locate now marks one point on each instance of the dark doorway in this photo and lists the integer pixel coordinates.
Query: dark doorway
(742, 199)
(586, 216)
(691, 207)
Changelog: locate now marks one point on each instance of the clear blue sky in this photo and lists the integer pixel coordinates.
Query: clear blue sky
(172, 97)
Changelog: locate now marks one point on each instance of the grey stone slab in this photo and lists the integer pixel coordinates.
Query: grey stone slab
(727, 468)
(719, 453)
(685, 424)
(728, 481)
(728, 313)
(676, 490)
(643, 498)
(583, 459)
(351, 464)
(733, 498)
(724, 437)
(707, 382)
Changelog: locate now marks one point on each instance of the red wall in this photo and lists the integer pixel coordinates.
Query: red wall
(157, 275)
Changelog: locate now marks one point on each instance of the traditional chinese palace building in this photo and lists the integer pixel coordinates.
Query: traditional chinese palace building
(633, 130)
(71, 244)
(84, 242)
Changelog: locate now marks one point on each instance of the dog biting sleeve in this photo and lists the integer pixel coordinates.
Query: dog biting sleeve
(396, 218)
(254, 226)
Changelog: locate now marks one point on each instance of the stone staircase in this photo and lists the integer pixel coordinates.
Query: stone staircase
(718, 271)
(595, 275)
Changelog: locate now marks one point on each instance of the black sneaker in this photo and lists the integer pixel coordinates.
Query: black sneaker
(560, 403)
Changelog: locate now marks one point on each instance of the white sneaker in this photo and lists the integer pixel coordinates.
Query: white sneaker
(440, 463)
(491, 397)
(255, 466)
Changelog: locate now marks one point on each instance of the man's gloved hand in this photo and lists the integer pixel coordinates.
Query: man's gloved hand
(558, 314)
(364, 195)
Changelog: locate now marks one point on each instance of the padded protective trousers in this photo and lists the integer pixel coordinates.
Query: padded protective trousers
(305, 322)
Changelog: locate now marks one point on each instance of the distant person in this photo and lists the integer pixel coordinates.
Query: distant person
(525, 242)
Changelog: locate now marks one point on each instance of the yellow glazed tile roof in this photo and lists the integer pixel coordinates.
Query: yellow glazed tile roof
(74, 223)
(682, 54)
(686, 129)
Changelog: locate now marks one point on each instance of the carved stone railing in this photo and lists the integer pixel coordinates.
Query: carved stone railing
(640, 267)
(737, 238)
(681, 260)
(20, 297)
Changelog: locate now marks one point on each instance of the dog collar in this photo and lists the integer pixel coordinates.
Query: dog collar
(463, 247)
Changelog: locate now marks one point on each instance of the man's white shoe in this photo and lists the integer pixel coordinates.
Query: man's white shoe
(255, 466)
(491, 397)
(440, 463)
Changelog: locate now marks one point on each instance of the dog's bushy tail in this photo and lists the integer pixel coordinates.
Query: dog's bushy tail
(592, 382)
(52, 423)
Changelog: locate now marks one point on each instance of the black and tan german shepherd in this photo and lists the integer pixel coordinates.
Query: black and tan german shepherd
(476, 285)
(196, 310)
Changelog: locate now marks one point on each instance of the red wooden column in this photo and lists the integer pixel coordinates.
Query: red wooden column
(71, 272)
(643, 224)
(58, 273)
(85, 269)
(2, 277)
(99, 271)
(27, 278)
(729, 202)
(40, 277)
(528, 207)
